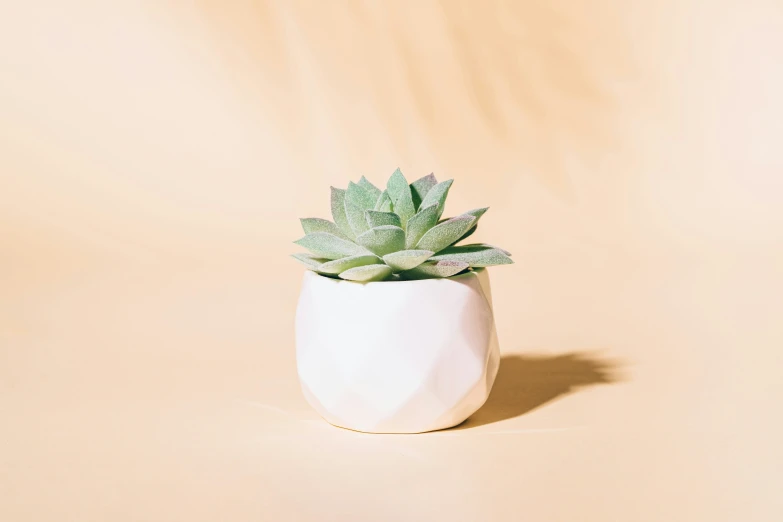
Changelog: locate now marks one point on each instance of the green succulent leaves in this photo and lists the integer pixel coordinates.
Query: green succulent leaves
(310, 261)
(324, 244)
(384, 203)
(401, 197)
(371, 189)
(310, 225)
(360, 197)
(376, 219)
(367, 273)
(444, 234)
(438, 194)
(437, 269)
(394, 234)
(382, 240)
(475, 255)
(357, 201)
(418, 225)
(339, 266)
(421, 187)
(338, 213)
(406, 259)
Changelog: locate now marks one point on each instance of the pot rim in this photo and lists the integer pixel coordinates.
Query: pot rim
(471, 273)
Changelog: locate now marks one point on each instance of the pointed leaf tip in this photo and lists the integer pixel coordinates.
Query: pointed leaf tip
(309, 260)
(438, 194)
(421, 187)
(441, 236)
(357, 200)
(329, 246)
(371, 189)
(477, 212)
(401, 199)
(478, 255)
(310, 225)
(338, 212)
(360, 196)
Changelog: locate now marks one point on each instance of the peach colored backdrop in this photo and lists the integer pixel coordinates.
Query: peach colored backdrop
(155, 157)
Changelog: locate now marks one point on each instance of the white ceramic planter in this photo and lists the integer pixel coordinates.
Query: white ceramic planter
(396, 357)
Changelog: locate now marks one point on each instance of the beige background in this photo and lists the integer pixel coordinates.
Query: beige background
(154, 158)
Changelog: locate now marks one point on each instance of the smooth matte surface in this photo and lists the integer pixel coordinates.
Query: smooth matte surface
(396, 357)
(155, 158)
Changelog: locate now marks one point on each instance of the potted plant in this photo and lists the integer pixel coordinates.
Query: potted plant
(394, 326)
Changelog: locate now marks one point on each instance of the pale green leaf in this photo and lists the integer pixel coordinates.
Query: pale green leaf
(367, 273)
(396, 184)
(384, 203)
(438, 194)
(376, 219)
(475, 255)
(310, 225)
(441, 236)
(467, 234)
(435, 269)
(383, 240)
(324, 244)
(357, 200)
(418, 225)
(356, 219)
(400, 194)
(486, 245)
(341, 265)
(404, 208)
(309, 260)
(358, 196)
(406, 259)
(371, 189)
(476, 213)
(420, 187)
(338, 213)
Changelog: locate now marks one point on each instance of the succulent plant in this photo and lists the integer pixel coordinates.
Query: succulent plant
(394, 234)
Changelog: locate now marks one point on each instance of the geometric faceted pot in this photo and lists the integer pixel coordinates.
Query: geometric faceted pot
(396, 357)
